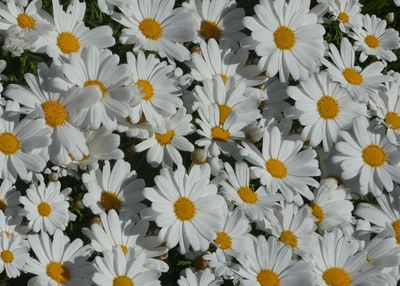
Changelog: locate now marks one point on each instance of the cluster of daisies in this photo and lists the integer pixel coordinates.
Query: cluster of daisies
(277, 153)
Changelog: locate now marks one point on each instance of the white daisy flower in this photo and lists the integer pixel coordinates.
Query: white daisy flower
(281, 165)
(9, 198)
(117, 189)
(270, 262)
(361, 84)
(99, 68)
(368, 155)
(216, 19)
(159, 92)
(157, 26)
(185, 214)
(347, 12)
(200, 278)
(274, 94)
(142, 129)
(324, 108)
(383, 253)
(20, 142)
(46, 208)
(287, 38)
(59, 262)
(236, 188)
(374, 39)
(71, 34)
(167, 140)
(14, 252)
(12, 224)
(117, 268)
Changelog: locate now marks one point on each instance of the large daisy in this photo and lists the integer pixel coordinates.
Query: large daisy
(347, 12)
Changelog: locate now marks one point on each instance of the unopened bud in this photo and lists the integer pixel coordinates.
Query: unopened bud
(79, 204)
(199, 156)
(389, 17)
(197, 50)
(253, 134)
(53, 177)
(199, 263)
(96, 220)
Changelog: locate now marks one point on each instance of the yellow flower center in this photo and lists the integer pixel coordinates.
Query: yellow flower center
(352, 76)
(123, 247)
(343, 17)
(393, 119)
(276, 168)
(371, 41)
(224, 111)
(220, 134)
(396, 227)
(58, 272)
(374, 156)
(6, 232)
(44, 209)
(123, 281)
(3, 205)
(99, 84)
(224, 240)
(147, 90)
(151, 29)
(268, 277)
(284, 38)
(9, 143)
(110, 200)
(25, 21)
(210, 29)
(369, 259)
(166, 138)
(247, 195)
(328, 107)
(55, 113)
(7, 256)
(68, 43)
(288, 238)
(336, 276)
(224, 77)
(318, 212)
(184, 209)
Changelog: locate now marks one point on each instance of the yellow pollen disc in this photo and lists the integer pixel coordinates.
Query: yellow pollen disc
(336, 276)
(123, 281)
(224, 77)
(352, 76)
(276, 168)
(224, 240)
(3, 205)
(393, 119)
(328, 107)
(25, 21)
(369, 259)
(374, 156)
(247, 195)
(6, 232)
(184, 209)
(9, 143)
(99, 84)
(58, 272)
(84, 158)
(55, 113)
(284, 38)
(317, 212)
(224, 111)
(371, 41)
(166, 138)
(68, 43)
(7, 256)
(289, 238)
(343, 17)
(123, 247)
(147, 90)
(220, 134)
(151, 29)
(396, 227)
(210, 29)
(268, 277)
(44, 209)
(110, 201)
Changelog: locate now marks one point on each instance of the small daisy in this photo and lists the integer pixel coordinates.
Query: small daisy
(270, 262)
(14, 252)
(281, 165)
(9, 198)
(117, 188)
(118, 269)
(383, 252)
(287, 38)
(58, 262)
(157, 26)
(46, 208)
(324, 108)
(374, 39)
(368, 155)
(347, 12)
(361, 84)
(168, 140)
(186, 207)
(12, 224)
(200, 278)
(217, 19)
